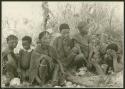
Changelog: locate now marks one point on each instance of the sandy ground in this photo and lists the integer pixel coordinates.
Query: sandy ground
(111, 81)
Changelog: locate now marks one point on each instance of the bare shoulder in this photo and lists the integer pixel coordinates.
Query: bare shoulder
(21, 50)
(56, 41)
(57, 38)
(5, 52)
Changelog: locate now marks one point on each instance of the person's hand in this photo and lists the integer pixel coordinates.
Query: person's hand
(109, 51)
(64, 73)
(75, 50)
(89, 65)
(113, 53)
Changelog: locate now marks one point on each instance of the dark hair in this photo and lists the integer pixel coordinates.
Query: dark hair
(11, 37)
(82, 24)
(113, 47)
(27, 38)
(43, 33)
(63, 26)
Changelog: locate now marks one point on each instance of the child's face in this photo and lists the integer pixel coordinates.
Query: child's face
(45, 39)
(12, 43)
(26, 44)
(65, 32)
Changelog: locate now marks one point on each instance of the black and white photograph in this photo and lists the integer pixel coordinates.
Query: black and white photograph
(62, 44)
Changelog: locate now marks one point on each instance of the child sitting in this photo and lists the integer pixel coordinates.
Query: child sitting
(25, 56)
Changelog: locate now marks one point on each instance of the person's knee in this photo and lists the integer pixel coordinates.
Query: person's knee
(75, 50)
(79, 58)
(56, 67)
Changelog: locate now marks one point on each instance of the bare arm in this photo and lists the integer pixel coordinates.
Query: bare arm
(91, 52)
(76, 49)
(98, 68)
(56, 58)
(117, 66)
(19, 59)
(61, 67)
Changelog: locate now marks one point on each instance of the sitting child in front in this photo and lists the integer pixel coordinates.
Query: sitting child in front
(25, 56)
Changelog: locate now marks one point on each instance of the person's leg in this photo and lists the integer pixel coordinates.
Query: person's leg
(70, 59)
(38, 80)
(27, 75)
(55, 75)
(42, 74)
(23, 75)
(104, 67)
(79, 60)
(9, 76)
(98, 68)
(62, 79)
(70, 63)
(75, 61)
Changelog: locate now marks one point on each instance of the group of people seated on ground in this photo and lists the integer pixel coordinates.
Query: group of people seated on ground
(54, 63)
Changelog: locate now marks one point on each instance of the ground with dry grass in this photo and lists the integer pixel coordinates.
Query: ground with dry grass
(82, 80)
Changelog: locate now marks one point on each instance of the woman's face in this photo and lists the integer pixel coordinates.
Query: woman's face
(45, 39)
(12, 43)
(65, 32)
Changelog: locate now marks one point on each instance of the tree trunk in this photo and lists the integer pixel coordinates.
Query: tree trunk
(45, 14)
